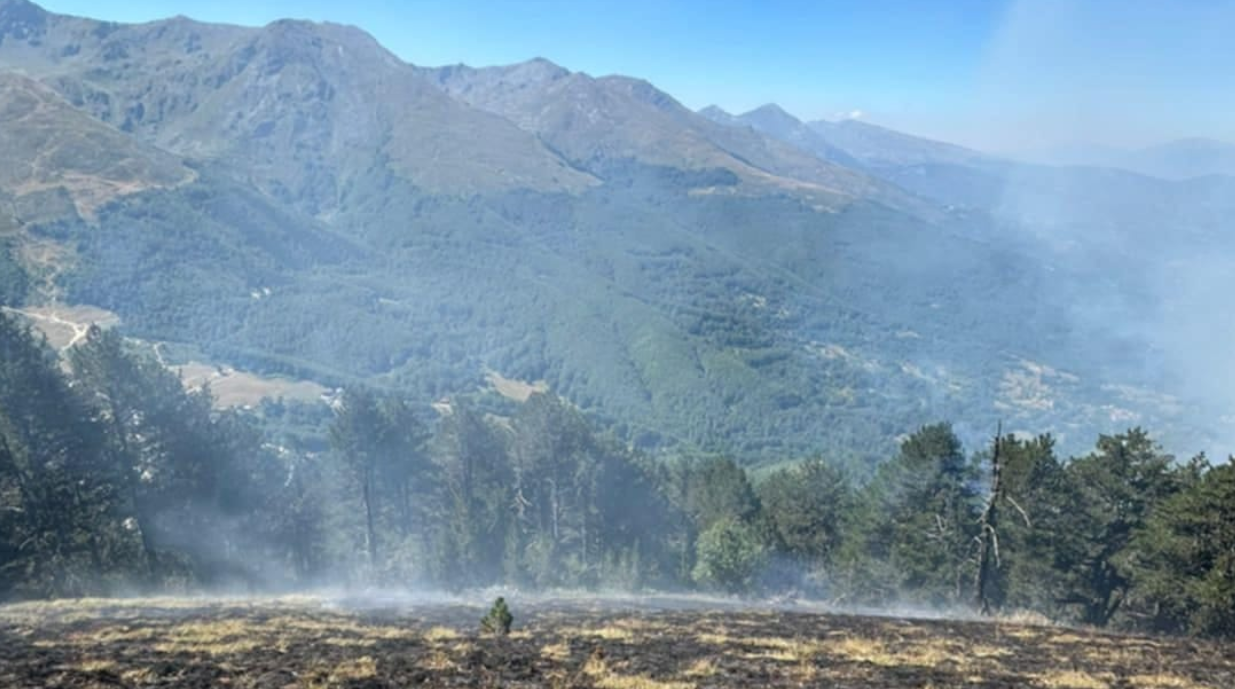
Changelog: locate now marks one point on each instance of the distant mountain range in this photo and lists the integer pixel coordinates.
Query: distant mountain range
(849, 142)
(295, 200)
(1175, 160)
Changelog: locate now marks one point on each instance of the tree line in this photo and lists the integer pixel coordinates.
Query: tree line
(114, 479)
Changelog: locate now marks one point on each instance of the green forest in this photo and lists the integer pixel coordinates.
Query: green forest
(115, 479)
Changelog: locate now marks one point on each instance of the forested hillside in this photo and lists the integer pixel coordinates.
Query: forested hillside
(112, 476)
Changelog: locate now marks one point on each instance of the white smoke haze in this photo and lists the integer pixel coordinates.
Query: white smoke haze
(463, 605)
(1067, 71)
(1078, 78)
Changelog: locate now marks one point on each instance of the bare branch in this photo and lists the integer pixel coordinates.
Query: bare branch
(1024, 515)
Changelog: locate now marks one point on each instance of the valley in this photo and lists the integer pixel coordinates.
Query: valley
(670, 272)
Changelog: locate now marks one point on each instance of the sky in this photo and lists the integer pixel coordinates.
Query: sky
(1000, 75)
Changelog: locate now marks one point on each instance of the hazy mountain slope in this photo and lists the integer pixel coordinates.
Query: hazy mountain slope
(773, 121)
(880, 147)
(1180, 159)
(1083, 209)
(1135, 259)
(848, 142)
(592, 121)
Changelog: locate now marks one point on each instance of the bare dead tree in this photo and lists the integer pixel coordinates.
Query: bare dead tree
(988, 532)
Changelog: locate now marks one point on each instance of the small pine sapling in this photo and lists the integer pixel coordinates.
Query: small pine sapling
(498, 620)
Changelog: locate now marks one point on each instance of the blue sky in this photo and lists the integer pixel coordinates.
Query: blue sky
(999, 74)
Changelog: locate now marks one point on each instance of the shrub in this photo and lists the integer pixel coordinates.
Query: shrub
(730, 556)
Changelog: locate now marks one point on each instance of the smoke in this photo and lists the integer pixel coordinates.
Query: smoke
(1141, 263)
(1117, 74)
(438, 604)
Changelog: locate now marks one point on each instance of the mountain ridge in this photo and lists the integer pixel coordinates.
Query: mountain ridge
(589, 118)
(223, 92)
(849, 141)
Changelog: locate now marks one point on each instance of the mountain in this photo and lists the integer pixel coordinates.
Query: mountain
(291, 106)
(1176, 160)
(775, 122)
(881, 148)
(295, 200)
(1183, 159)
(595, 121)
(1104, 209)
(849, 142)
(61, 160)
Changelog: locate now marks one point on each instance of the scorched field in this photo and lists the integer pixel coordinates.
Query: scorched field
(311, 643)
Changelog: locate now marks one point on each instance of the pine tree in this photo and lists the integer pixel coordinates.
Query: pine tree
(1182, 563)
(1117, 487)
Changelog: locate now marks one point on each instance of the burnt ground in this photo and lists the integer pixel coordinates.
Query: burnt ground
(310, 643)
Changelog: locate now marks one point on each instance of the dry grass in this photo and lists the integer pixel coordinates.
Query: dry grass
(636, 624)
(217, 648)
(1021, 633)
(983, 651)
(96, 665)
(604, 678)
(1164, 681)
(52, 607)
(920, 653)
(348, 642)
(439, 634)
(1073, 679)
(1117, 655)
(558, 652)
(704, 667)
(139, 676)
(440, 661)
(784, 650)
(239, 635)
(862, 650)
(1025, 618)
(333, 625)
(360, 668)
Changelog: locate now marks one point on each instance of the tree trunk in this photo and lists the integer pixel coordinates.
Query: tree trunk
(132, 479)
(370, 531)
(988, 535)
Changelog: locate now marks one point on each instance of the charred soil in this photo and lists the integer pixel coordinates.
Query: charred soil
(310, 643)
